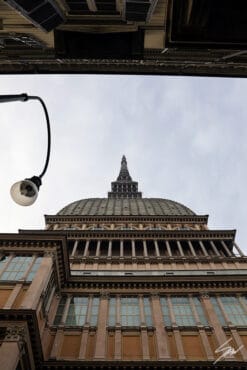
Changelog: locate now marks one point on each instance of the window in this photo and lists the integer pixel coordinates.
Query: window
(79, 309)
(183, 311)
(19, 40)
(233, 309)
(18, 267)
(218, 310)
(94, 311)
(165, 311)
(3, 260)
(200, 312)
(130, 311)
(34, 269)
(147, 311)
(112, 311)
(60, 310)
(47, 293)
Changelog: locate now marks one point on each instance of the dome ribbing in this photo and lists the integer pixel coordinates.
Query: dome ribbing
(125, 207)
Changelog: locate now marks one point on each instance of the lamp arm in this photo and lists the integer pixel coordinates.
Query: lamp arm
(25, 97)
(48, 133)
(11, 98)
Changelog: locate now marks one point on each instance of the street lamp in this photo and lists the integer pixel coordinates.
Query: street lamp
(25, 192)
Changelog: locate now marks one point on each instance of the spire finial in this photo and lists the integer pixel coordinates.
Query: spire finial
(124, 172)
(124, 187)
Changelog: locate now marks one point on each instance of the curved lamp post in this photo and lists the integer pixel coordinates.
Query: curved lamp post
(25, 192)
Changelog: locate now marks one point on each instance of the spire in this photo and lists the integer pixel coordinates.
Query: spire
(124, 172)
(124, 187)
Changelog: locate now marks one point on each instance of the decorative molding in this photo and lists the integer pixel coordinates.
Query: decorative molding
(154, 66)
(204, 295)
(173, 285)
(50, 253)
(145, 234)
(15, 333)
(105, 294)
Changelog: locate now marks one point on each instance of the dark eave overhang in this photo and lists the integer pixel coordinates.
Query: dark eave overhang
(137, 234)
(155, 66)
(137, 365)
(164, 279)
(52, 219)
(147, 286)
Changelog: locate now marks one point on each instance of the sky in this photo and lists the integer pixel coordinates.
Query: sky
(184, 139)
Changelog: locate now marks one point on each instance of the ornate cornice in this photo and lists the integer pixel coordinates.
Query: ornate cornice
(154, 66)
(167, 283)
(139, 234)
(15, 333)
(137, 365)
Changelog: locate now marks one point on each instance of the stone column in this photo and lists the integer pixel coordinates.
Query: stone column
(86, 249)
(192, 249)
(13, 296)
(180, 248)
(121, 248)
(9, 355)
(157, 251)
(229, 254)
(202, 333)
(238, 249)
(219, 333)
(206, 344)
(176, 332)
(83, 345)
(118, 333)
(98, 248)
(203, 249)
(57, 344)
(11, 347)
(133, 248)
(168, 248)
(215, 249)
(161, 336)
(74, 248)
(100, 346)
(40, 280)
(109, 249)
(145, 251)
(239, 344)
(179, 344)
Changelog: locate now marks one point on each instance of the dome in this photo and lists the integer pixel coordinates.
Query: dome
(124, 199)
(125, 207)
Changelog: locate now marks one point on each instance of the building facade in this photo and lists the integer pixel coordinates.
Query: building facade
(178, 37)
(123, 282)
